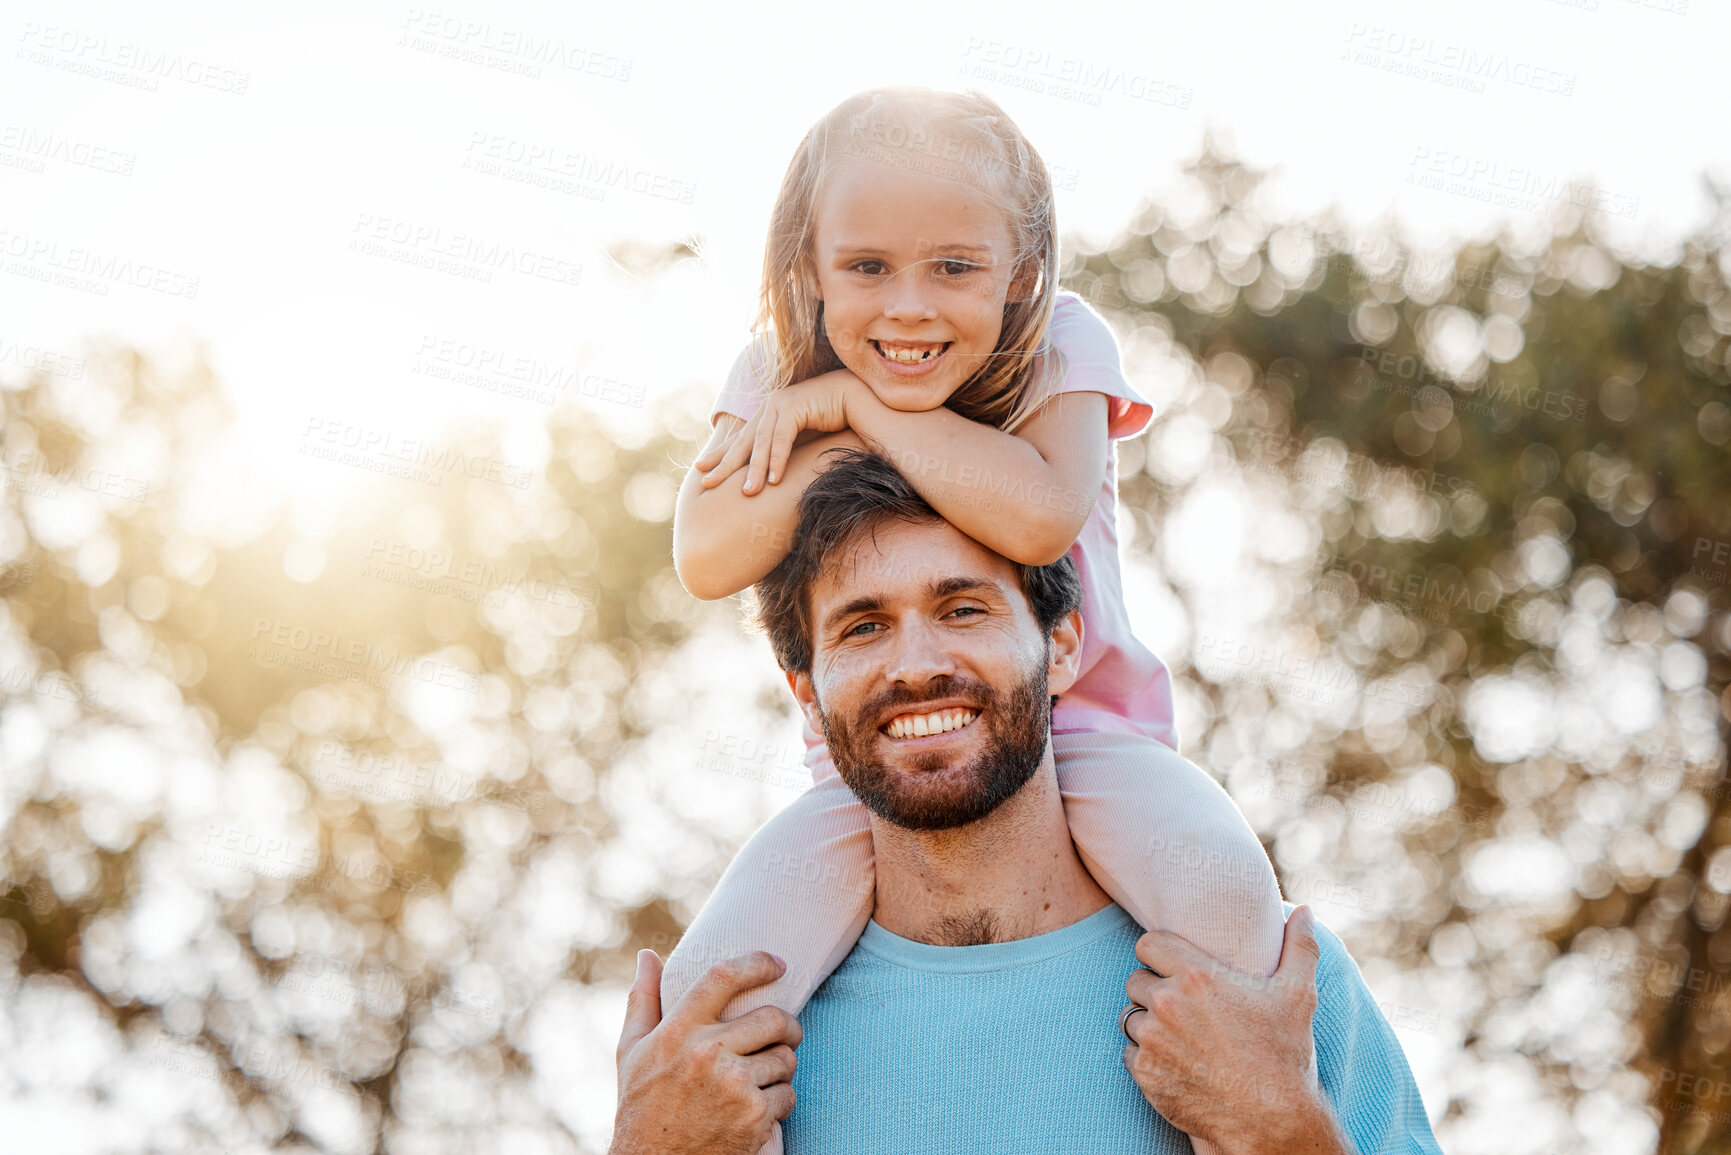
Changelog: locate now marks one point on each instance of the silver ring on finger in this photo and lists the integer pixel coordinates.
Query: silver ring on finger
(1124, 1020)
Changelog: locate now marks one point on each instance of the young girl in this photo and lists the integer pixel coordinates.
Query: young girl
(910, 305)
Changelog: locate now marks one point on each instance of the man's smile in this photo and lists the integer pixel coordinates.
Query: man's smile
(930, 723)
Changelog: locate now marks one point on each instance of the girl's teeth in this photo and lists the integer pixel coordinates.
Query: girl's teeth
(909, 356)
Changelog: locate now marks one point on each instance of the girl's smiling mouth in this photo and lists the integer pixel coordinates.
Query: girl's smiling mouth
(909, 357)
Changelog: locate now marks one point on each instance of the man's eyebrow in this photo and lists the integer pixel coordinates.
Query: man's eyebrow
(951, 586)
(864, 604)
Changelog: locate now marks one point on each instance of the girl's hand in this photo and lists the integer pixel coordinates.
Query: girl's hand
(762, 444)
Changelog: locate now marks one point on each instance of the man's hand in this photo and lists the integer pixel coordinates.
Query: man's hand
(1229, 1057)
(691, 1083)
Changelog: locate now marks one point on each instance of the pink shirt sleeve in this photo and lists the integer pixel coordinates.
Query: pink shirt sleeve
(1091, 365)
(742, 396)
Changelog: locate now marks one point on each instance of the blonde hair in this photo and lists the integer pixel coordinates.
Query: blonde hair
(963, 136)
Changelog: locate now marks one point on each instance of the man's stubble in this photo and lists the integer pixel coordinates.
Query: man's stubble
(1017, 726)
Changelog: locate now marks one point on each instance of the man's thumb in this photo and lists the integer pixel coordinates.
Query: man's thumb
(643, 1004)
(1299, 953)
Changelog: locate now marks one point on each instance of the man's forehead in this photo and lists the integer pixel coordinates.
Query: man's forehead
(908, 561)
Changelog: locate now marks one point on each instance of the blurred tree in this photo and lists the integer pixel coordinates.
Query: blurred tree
(1445, 548)
(321, 840)
(1509, 476)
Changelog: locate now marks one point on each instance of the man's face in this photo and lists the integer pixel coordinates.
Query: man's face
(930, 675)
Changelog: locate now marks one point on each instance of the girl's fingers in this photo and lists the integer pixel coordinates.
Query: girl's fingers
(735, 455)
(779, 447)
(718, 446)
(723, 471)
(706, 464)
(760, 450)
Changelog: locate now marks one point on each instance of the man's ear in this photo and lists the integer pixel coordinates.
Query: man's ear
(806, 696)
(1065, 664)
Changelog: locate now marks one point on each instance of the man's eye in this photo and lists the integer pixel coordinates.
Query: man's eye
(967, 610)
(855, 631)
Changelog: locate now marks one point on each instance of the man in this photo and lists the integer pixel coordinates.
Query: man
(980, 1010)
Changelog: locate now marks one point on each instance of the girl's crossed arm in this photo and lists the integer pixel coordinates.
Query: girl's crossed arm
(1024, 495)
(724, 540)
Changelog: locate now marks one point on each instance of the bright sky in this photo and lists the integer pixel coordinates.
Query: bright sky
(295, 163)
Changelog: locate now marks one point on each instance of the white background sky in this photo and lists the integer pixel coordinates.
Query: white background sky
(343, 118)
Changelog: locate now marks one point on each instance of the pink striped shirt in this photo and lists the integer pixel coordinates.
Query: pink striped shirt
(1123, 687)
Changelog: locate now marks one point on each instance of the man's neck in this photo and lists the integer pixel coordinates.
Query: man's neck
(1013, 874)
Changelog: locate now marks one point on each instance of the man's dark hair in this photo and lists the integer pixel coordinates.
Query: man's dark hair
(858, 493)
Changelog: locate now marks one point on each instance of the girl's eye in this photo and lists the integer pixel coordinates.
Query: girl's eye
(958, 268)
(869, 268)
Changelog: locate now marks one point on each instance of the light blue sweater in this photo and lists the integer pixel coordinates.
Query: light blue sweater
(1015, 1047)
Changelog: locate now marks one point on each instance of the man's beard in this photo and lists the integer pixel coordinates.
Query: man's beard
(925, 796)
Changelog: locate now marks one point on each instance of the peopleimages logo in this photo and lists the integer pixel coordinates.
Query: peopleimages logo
(40, 360)
(380, 450)
(462, 254)
(467, 579)
(1408, 374)
(1065, 77)
(1513, 186)
(513, 50)
(1453, 65)
(318, 651)
(30, 472)
(89, 270)
(133, 65)
(514, 374)
(549, 165)
(34, 149)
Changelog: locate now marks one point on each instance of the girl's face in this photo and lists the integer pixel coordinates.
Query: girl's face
(913, 271)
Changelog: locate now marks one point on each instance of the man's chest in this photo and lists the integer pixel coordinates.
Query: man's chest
(996, 1063)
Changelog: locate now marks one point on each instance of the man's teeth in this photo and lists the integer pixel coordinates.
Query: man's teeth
(910, 356)
(925, 725)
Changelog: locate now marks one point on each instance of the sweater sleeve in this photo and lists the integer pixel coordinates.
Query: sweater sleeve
(1359, 1061)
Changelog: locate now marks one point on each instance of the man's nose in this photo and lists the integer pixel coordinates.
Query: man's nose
(918, 655)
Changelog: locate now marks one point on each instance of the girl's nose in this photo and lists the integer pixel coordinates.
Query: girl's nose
(909, 298)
